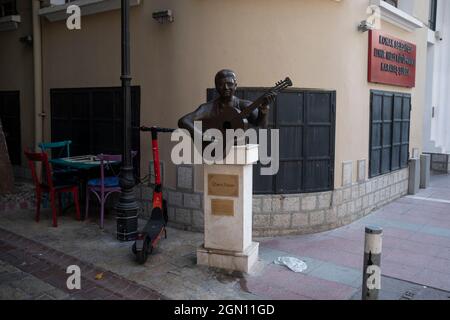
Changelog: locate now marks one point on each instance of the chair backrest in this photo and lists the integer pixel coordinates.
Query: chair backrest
(106, 159)
(42, 157)
(62, 145)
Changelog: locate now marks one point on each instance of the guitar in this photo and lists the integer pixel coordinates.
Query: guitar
(231, 118)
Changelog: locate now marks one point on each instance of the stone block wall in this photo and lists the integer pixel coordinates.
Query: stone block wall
(315, 212)
(295, 213)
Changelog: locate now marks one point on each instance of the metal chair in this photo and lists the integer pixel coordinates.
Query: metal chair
(63, 146)
(64, 175)
(104, 186)
(48, 186)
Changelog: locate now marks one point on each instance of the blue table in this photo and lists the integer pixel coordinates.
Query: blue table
(79, 162)
(82, 164)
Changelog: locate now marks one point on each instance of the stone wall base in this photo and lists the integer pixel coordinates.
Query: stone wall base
(293, 214)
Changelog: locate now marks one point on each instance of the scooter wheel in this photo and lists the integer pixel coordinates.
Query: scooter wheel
(142, 255)
(165, 215)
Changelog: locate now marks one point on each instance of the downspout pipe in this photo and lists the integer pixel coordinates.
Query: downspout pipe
(37, 63)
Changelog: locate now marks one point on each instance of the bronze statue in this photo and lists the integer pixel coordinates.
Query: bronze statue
(228, 111)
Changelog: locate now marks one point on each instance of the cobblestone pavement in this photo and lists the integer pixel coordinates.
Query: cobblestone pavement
(30, 270)
(415, 259)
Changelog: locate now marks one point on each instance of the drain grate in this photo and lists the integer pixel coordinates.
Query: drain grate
(408, 295)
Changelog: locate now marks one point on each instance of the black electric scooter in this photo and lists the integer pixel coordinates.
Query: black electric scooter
(149, 236)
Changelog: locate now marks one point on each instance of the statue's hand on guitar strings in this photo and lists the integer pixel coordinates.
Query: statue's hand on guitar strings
(268, 99)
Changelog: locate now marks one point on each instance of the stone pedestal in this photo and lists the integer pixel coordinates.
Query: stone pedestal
(228, 195)
(425, 164)
(414, 176)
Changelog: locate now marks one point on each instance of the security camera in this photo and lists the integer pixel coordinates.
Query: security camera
(28, 39)
(438, 35)
(163, 16)
(365, 26)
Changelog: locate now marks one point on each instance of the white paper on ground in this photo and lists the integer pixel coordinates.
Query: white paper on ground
(292, 263)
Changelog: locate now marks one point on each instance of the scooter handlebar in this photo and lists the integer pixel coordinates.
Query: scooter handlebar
(156, 129)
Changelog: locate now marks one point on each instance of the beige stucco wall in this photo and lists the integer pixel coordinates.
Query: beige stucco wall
(315, 42)
(16, 65)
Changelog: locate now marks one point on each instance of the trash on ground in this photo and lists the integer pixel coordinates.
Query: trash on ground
(292, 263)
(99, 276)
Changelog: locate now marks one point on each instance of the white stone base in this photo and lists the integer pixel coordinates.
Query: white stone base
(230, 260)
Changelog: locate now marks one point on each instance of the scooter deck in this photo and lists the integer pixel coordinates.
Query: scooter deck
(153, 228)
(155, 224)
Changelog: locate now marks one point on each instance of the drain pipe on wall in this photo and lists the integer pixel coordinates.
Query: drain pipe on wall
(37, 63)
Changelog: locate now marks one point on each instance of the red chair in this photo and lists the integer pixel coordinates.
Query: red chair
(49, 186)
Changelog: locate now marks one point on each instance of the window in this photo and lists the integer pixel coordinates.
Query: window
(399, 13)
(8, 8)
(392, 2)
(306, 120)
(432, 19)
(389, 131)
(10, 116)
(93, 119)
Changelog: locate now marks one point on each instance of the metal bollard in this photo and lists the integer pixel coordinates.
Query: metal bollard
(371, 284)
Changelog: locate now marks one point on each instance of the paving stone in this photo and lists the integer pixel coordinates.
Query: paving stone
(336, 273)
(10, 293)
(49, 280)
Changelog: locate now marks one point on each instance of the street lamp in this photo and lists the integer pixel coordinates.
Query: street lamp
(127, 207)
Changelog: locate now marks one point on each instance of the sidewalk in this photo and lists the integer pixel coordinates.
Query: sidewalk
(415, 258)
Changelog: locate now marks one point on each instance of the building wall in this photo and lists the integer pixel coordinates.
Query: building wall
(314, 42)
(16, 65)
(436, 130)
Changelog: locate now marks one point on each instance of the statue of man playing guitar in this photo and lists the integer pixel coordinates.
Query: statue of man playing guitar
(213, 112)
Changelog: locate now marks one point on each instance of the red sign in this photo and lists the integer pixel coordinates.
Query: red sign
(391, 60)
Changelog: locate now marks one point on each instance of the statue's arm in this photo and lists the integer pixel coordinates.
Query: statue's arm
(187, 121)
(260, 117)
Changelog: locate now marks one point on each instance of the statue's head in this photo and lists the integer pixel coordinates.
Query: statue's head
(226, 83)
